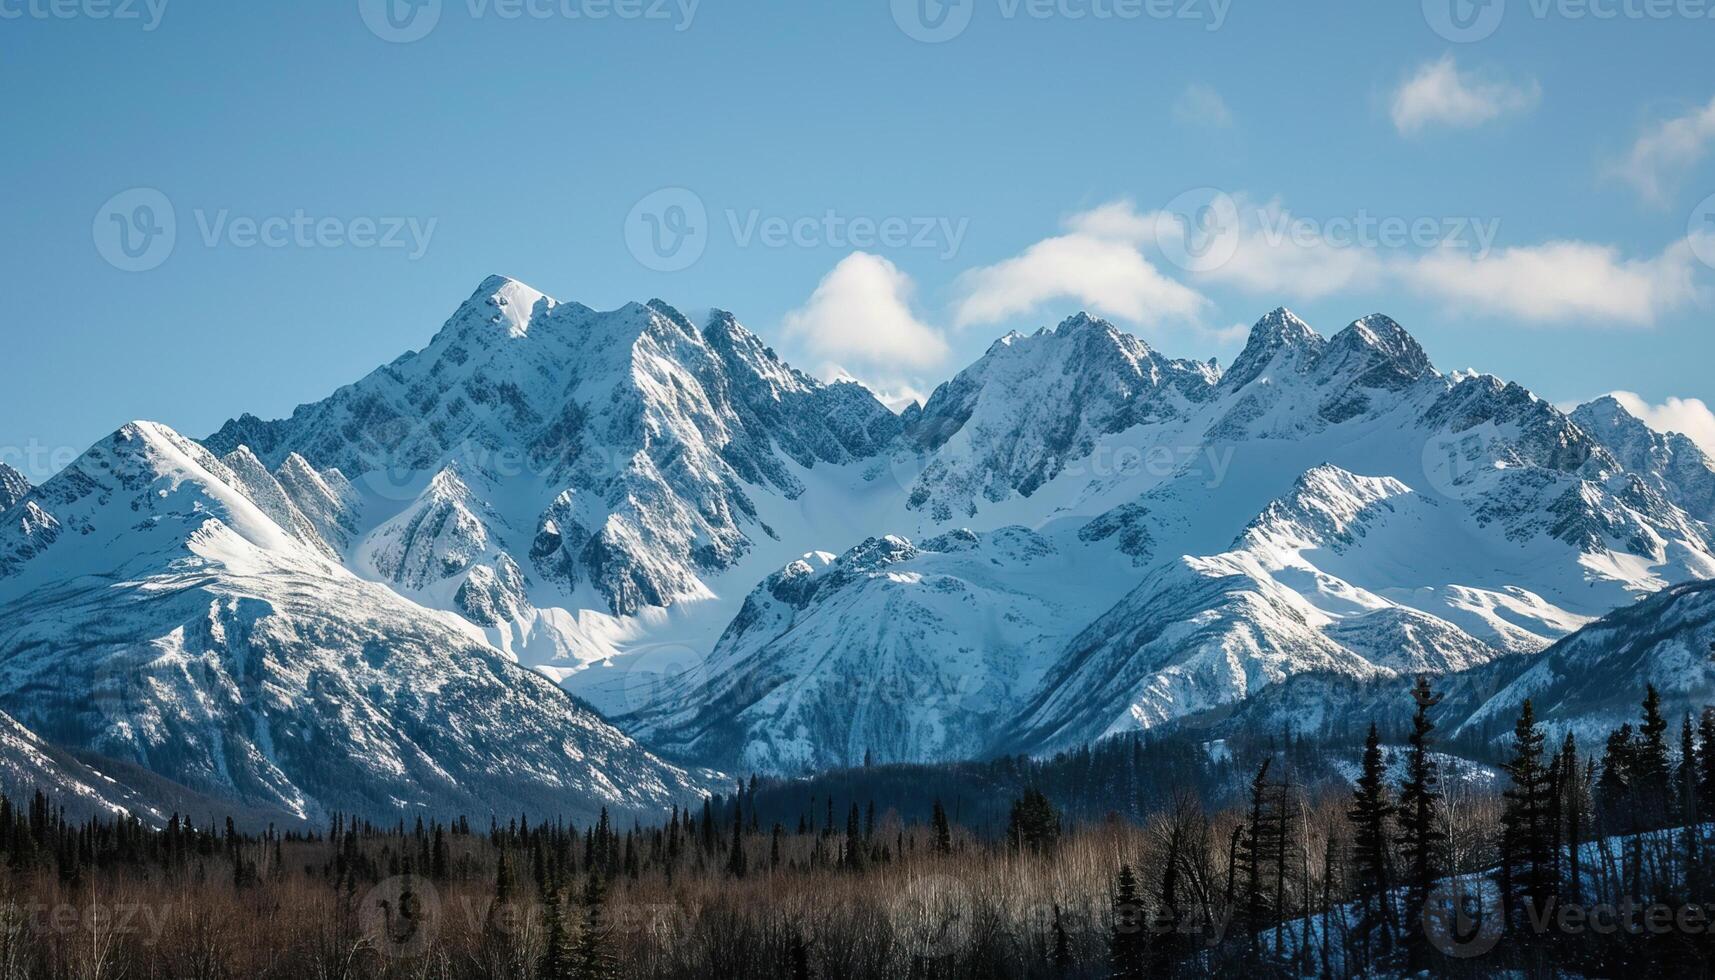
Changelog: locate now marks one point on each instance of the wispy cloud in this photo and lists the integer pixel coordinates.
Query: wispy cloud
(1269, 252)
(860, 315)
(1666, 151)
(1439, 94)
(1098, 262)
(1201, 105)
(896, 393)
(1103, 260)
(1688, 416)
(1560, 281)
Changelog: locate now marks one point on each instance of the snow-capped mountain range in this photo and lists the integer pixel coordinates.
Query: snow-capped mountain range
(369, 604)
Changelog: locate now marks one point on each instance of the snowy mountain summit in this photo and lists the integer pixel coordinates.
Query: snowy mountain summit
(378, 602)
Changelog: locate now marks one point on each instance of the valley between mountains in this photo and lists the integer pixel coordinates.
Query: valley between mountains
(563, 559)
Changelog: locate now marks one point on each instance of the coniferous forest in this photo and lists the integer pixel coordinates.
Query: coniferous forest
(1130, 859)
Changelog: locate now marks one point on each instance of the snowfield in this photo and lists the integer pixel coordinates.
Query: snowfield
(378, 601)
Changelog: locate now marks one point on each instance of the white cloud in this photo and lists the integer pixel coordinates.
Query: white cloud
(860, 313)
(1667, 150)
(1687, 416)
(1272, 252)
(1558, 281)
(1229, 335)
(896, 393)
(1439, 94)
(1269, 251)
(1201, 105)
(1097, 263)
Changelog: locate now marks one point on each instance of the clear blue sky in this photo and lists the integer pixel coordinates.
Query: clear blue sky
(528, 141)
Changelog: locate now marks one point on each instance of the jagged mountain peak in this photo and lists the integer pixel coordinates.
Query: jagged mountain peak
(14, 486)
(664, 431)
(1279, 337)
(1325, 503)
(1283, 323)
(142, 493)
(1607, 408)
(1670, 460)
(502, 304)
(1083, 322)
(1375, 352)
(1008, 423)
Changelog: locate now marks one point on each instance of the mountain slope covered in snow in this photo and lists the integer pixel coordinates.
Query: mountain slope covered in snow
(369, 604)
(174, 614)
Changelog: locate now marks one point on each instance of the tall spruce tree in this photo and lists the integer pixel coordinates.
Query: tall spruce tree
(1527, 855)
(1653, 773)
(1249, 860)
(942, 830)
(1370, 812)
(1685, 778)
(1574, 808)
(1033, 823)
(1422, 840)
(1706, 765)
(593, 956)
(1616, 794)
(1127, 947)
(736, 865)
(558, 961)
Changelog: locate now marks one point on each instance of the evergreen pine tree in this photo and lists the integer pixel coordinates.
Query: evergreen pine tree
(557, 954)
(1574, 809)
(1706, 765)
(1248, 858)
(1527, 858)
(1615, 788)
(594, 954)
(1128, 946)
(1033, 823)
(1653, 773)
(1061, 955)
(1370, 811)
(1422, 841)
(503, 880)
(854, 856)
(736, 864)
(943, 832)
